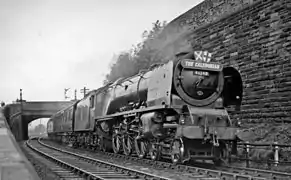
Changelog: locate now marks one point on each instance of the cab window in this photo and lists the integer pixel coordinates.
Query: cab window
(92, 102)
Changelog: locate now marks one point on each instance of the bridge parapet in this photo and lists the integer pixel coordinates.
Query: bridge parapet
(46, 106)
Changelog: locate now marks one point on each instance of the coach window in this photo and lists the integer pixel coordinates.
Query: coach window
(91, 101)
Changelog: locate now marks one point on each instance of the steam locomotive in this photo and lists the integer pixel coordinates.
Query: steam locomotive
(176, 110)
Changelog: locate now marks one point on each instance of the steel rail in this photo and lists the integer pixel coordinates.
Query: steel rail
(129, 173)
(223, 174)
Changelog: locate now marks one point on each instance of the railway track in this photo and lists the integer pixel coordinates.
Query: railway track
(218, 172)
(258, 172)
(76, 166)
(47, 169)
(235, 172)
(226, 171)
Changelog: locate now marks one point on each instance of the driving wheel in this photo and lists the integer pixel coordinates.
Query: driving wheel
(127, 144)
(141, 147)
(116, 143)
(155, 151)
(102, 146)
(176, 151)
(221, 155)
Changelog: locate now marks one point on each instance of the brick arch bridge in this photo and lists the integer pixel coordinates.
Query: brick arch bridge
(20, 114)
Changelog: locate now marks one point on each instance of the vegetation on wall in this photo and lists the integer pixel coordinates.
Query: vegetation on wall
(141, 56)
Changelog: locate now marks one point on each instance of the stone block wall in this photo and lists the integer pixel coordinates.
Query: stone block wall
(252, 36)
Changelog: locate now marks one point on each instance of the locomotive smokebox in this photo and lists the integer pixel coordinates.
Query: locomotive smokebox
(198, 82)
(152, 124)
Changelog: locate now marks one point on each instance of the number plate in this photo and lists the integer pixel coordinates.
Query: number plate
(201, 73)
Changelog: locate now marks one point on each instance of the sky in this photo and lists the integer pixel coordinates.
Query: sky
(49, 45)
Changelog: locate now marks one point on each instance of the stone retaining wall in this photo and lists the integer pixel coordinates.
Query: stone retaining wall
(252, 36)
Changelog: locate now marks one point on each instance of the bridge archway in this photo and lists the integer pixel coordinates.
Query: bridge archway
(37, 127)
(26, 120)
(19, 115)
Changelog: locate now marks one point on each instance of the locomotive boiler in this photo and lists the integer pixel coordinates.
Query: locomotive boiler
(175, 110)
